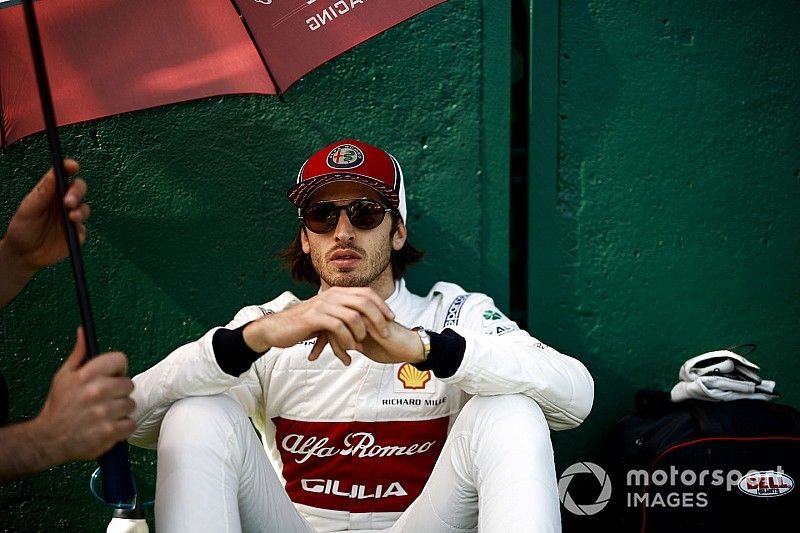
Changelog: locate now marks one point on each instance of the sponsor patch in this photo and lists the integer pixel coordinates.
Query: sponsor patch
(767, 484)
(408, 379)
(345, 157)
(492, 314)
(451, 319)
(359, 467)
(502, 330)
(413, 378)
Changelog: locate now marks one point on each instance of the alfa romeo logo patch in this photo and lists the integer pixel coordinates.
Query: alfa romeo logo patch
(345, 156)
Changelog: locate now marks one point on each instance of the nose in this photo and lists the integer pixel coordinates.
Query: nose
(344, 230)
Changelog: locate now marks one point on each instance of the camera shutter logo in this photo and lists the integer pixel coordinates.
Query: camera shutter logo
(586, 508)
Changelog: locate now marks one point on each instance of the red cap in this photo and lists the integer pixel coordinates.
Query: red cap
(351, 160)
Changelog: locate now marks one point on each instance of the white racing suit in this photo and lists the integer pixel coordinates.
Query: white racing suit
(354, 446)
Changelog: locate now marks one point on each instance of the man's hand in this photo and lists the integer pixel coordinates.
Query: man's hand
(36, 236)
(36, 232)
(342, 316)
(85, 414)
(86, 411)
(401, 345)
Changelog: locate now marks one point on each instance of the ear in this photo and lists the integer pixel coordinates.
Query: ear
(304, 241)
(400, 235)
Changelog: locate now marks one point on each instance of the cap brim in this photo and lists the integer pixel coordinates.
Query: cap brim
(300, 193)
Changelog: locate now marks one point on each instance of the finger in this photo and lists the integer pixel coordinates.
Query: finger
(378, 335)
(368, 303)
(380, 303)
(78, 355)
(75, 194)
(43, 193)
(339, 330)
(376, 321)
(119, 387)
(117, 431)
(319, 345)
(81, 233)
(110, 410)
(343, 356)
(80, 214)
(358, 296)
(107, 364)
(71, 166)
(101, 390)
(354, 322)
(120, 408)
(123, 428)
(41, 196)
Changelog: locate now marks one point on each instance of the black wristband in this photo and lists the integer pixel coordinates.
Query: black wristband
(233, 355)
(447, 352)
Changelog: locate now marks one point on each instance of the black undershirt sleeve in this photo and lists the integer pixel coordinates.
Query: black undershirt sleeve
(233, 355)
(447, 352)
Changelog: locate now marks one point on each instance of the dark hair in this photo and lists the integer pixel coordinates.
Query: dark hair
(299, 263)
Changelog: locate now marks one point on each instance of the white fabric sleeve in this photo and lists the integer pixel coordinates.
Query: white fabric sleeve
(501, 358)
(190, 370)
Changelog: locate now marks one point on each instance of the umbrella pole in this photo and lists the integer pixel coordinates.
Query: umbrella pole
(118, 483)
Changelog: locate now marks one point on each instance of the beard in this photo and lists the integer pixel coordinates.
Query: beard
(368, 269)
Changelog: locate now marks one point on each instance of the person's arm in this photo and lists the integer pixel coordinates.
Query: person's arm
(344, 317)
(223, 358)
(210, 365)
(497, 357)
(36, 236)
(84, 415)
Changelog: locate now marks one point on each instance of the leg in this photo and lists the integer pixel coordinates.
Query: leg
(213, 473)
(495, 473)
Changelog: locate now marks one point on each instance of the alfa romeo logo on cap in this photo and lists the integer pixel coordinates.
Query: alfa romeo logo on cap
(345, 156)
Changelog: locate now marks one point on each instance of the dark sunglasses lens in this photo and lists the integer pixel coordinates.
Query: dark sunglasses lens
(366, 214)
(321, 217)
(363, 214)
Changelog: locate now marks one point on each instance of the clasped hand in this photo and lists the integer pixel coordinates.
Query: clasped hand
(346, 318)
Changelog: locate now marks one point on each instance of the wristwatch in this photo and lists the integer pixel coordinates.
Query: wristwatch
(426, 342)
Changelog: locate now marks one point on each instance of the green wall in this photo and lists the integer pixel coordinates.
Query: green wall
(664, 172)
(189, 210)
(664, 189)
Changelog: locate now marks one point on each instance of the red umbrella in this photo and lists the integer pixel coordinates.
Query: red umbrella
(106, 57)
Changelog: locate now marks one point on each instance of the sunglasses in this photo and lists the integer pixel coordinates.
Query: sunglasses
(363, 213)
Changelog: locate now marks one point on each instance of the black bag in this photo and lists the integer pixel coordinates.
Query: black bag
(682, 467)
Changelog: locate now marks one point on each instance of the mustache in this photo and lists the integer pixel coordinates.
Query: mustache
(356, 249)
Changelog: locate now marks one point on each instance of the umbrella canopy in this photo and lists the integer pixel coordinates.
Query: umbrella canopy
(106, 57)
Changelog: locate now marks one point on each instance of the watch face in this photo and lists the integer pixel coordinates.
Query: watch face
(426, 340)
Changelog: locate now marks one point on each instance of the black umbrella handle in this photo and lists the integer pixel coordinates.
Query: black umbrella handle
(76, 259)
(117, 480)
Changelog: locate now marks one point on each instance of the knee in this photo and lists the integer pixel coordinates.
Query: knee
(198, 420)
(506, 412)
(506, 428)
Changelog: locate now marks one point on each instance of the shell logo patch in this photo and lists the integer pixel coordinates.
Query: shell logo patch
(345, 156)
(411, 377)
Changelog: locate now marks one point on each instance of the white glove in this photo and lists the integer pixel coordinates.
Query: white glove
(721, 375)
